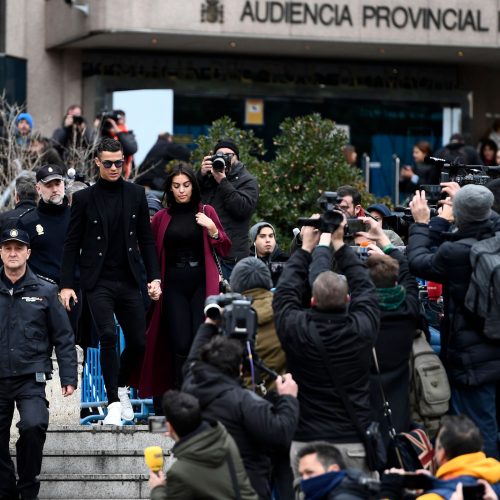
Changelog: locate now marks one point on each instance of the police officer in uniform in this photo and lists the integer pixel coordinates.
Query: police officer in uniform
(32, 322)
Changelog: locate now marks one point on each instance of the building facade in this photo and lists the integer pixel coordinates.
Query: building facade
(393, 72)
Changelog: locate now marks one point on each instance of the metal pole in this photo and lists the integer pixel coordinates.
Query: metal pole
(397, 165)
(366, 159)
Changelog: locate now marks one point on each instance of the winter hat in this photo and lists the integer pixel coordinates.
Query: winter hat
(472, 204)
(249, 273)
(380, 207)
(255, 229)
(154, 204)
(27, 117)
(229, 144)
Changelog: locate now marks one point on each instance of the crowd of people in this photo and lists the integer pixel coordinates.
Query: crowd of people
(311, 393)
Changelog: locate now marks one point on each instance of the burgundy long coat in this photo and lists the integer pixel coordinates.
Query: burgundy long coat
(156, 375)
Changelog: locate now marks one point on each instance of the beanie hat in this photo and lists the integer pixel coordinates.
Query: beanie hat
(472, 204)
(229, 144)
(255, 229)
(154, 204)
(380, 207)
(249, 273)
(27, 117)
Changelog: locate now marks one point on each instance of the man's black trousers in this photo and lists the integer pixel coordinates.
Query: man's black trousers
(29, 397)
(124, 299)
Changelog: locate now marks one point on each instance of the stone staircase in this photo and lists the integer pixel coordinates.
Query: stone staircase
(97, 462)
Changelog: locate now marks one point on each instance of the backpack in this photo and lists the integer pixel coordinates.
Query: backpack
(483, 294)
(429, 387)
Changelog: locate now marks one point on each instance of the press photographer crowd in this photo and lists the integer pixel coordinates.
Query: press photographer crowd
(361, 364)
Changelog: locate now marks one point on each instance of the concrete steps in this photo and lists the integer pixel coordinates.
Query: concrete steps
(97, 462)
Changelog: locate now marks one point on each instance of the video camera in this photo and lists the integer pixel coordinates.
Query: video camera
(220, 162)
(238, 318)
(332, 216)
(462, 174)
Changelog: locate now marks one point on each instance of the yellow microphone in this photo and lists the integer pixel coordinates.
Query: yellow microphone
(153, 456)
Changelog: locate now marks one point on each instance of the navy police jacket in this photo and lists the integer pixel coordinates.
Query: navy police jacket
(32, 322)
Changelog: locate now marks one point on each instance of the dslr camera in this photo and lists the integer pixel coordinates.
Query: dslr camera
(220, 162)
(332, 216)
(238, 318)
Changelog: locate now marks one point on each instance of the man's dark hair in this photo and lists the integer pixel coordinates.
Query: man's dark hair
(108, 144)
(458, 435)
(223, 353)
(327, 454)
(178, 169)
(350, 191)
(182, 410)
(384, 270)
(26, 188)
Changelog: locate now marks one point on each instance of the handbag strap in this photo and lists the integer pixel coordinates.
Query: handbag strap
(214, 253)
(336, 381)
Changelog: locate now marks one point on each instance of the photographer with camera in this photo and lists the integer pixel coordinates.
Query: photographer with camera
(112, 124)
(227, 185)
(74, 134)
(341, 329)
(471, 358)
(203, 451)
(212, 374)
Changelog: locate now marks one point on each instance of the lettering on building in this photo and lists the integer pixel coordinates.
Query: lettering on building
(379, 16)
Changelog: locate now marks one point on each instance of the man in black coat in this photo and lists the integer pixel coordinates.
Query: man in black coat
(25, 196)
(47, 222)
(348, 328)
(109, 224)
(32, 322)
(471, 359)
(212, 374)
(234, 193)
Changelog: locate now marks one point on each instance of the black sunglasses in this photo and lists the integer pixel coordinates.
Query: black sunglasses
(109, 163)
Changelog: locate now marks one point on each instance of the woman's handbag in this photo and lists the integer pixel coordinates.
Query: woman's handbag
(376, 451)
(224, 286)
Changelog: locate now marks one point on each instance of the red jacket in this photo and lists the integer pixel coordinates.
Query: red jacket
(156, 376)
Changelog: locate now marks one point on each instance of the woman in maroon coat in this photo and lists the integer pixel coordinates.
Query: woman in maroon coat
(185, 233)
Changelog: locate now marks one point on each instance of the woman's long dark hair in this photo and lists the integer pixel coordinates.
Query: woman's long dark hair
(186, 169)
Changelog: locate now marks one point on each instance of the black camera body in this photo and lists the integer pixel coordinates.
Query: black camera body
(332, 215)
(238, 318)
(220, 162)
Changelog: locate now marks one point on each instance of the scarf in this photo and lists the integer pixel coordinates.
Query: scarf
(318, 487)
(390, 299)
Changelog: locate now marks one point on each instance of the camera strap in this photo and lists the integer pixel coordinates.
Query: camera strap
(335, 379)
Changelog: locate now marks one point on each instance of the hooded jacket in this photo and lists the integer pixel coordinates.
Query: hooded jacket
(466, 469)
(470, 357)
(267, 343)
(235, 200)
(202, 468)
(255, 424)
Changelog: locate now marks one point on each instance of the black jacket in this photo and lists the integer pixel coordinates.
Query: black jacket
(470, 358)
(32, 322)
(9, 219)
(275, 262)
(46, 225)
(254, 423)
(235, 200)
(393, 347)
(348, 335)
(87, 238)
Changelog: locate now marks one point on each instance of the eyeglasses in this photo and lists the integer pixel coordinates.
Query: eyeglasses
(109, 163)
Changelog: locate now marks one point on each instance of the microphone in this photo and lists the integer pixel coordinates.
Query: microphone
(153, 456)
(296, 232)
